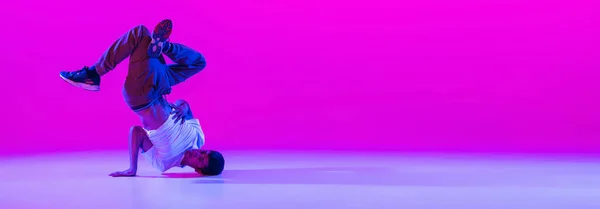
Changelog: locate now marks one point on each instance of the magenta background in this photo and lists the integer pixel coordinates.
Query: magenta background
(384, 75)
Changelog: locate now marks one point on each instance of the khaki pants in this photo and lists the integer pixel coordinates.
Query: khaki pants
(148, 78)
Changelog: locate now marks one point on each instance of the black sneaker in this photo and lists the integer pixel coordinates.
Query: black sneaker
(85, 78)
(160, 38)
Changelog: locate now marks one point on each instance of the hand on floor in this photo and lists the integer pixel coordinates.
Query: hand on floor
(126, 173)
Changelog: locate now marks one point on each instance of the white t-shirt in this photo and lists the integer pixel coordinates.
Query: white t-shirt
(171, 140)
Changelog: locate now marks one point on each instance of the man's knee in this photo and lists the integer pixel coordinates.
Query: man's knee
(140, 31)
(200, 63)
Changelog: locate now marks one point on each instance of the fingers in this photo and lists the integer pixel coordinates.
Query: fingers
(178, 116)
(174, 108)
(175, 118)
(179, 119)
(121, 174)
(117, 174)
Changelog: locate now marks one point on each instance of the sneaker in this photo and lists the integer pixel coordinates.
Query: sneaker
(160, 36)
(85, 78)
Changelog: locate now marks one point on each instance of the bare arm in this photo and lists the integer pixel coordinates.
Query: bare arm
(137, 139)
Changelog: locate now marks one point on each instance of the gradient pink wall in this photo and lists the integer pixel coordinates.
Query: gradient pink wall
(428, 75)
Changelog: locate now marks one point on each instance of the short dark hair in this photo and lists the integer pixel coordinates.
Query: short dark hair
(216, 164)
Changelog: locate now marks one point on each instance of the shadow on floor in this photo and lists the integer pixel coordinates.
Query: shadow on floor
(175, 175)
(322, 175)
(377, 176)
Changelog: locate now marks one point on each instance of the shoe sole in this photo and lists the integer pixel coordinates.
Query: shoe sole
(81, 85)
(161, 33)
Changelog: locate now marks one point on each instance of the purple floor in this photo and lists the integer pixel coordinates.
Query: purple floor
(306, 180)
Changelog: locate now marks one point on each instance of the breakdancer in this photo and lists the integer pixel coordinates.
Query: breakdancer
(170, 136)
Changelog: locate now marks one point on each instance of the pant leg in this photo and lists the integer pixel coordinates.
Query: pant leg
(125, 47)
(188, 63)
(144, 73)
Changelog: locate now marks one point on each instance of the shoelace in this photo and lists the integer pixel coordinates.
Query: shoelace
(79, 72)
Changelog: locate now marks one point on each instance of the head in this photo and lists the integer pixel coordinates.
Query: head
(205, 162)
